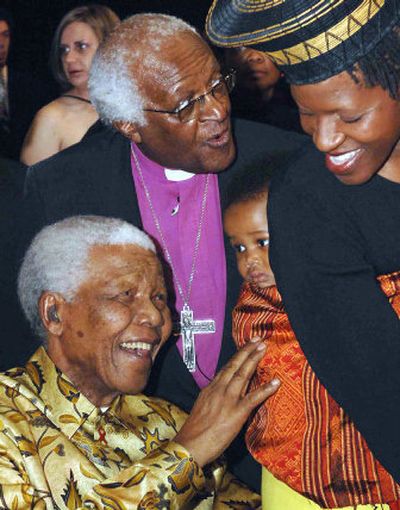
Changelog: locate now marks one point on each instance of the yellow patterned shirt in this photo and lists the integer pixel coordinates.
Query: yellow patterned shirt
(57, 451)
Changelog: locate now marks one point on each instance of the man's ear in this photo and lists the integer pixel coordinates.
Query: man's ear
(52, 312)
(128, 129)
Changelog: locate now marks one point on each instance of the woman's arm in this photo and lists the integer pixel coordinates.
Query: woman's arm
(43, 138)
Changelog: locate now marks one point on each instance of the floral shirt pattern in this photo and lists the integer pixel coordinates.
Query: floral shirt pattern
(58, 451)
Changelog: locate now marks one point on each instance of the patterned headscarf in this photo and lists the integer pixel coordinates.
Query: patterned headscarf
(309, 40)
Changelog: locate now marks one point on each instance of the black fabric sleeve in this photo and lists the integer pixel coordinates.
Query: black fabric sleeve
(345, 324)
(33, 217)
(19, 342)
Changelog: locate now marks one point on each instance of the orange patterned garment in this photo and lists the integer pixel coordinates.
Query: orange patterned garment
(301, 435)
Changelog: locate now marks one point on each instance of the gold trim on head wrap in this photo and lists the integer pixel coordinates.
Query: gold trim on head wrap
(328, 40)
(342, 30)
(310, 40)
(256, 5)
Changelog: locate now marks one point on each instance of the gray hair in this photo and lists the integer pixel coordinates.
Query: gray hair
(136, 45)
(57, 258)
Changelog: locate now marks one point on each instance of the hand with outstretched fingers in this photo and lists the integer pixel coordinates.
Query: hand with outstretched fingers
(224, 405)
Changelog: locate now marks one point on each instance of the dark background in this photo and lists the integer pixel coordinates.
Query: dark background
(36, 21)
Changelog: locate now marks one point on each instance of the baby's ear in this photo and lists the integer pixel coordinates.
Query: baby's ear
(128, 129)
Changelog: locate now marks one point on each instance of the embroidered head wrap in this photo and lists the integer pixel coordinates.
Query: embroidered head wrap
(309, 40)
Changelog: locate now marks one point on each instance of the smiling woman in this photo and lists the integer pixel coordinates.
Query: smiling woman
(334, 216)
(344, 118)
(64, 121)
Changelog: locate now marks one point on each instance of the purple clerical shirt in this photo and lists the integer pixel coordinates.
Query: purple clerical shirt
(177, 205)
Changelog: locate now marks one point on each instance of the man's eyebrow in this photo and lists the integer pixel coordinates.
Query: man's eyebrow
(188, 95)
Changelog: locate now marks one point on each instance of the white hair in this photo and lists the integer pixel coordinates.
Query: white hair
(136, 45)
(57, 259)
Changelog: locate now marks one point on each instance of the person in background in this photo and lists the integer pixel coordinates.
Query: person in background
(12, 177)
(334, 213)
(75, 429)
(64, 121)
(24, 91)
(284, 443)
(5, 38)
(261, 93)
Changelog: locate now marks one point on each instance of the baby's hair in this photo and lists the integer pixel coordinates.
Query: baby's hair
(252, 180)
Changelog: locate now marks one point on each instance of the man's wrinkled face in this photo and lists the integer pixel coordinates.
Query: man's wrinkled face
(188, 70)
(116, 324)
(5, 37)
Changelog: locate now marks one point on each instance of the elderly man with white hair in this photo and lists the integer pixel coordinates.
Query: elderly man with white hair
(75, 430)
(165, 102)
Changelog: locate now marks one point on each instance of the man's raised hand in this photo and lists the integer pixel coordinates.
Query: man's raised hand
(224, 405)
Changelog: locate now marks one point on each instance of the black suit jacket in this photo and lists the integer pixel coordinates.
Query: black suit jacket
(27, 93)
(95, 177)
(12, 322)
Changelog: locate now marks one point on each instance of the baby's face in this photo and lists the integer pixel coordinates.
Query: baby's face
(246, 225)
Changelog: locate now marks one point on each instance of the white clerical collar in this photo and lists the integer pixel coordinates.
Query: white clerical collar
(177, 175)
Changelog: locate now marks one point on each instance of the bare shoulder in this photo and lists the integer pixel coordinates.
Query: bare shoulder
(70, 115)
(43, 138)
(56, 126)
(51, 114)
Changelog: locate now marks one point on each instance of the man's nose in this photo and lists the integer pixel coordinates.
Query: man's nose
(215, 108)
(147, 314)
(326, 136)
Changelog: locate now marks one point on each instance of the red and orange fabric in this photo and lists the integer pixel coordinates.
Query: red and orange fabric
(301, 435)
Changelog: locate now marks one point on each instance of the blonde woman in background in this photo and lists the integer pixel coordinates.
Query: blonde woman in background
(64, 121)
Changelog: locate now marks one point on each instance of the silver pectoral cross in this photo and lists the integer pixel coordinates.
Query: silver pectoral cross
(188, 328)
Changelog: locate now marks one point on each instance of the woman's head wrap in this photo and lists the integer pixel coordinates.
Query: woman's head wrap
(309, 40)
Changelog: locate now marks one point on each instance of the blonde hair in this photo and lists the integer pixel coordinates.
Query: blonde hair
(101, 20)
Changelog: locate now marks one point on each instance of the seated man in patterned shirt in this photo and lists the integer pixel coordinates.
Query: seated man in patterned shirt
(75, 431)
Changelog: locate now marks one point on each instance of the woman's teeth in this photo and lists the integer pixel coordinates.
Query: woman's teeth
(340, 159)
